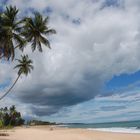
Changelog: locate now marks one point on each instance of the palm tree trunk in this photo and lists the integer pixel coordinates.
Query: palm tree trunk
(10, 88)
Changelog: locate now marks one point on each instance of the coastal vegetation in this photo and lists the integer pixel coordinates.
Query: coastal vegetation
(10, 117)
(38, 122)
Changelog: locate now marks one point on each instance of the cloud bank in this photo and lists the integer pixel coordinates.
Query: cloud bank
(95, 40)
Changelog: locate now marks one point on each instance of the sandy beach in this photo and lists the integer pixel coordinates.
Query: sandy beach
(45, 133)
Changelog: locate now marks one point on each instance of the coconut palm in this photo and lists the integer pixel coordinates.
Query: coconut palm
(15, 33)
(10, 37)
(35, 31)
(24, 67)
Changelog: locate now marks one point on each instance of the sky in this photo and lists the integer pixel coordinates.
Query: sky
(92, 72)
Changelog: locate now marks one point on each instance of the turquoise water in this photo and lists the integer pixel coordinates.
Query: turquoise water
(125, 127)
(106, 125)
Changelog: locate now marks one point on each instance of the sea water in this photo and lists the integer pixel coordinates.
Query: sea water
(120, 127)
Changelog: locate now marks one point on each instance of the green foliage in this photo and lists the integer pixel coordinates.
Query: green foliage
(9, 33)
(16, 32)
(35, 29)
(25, 65)
(38, 122)
(1, 124)
(10, 117)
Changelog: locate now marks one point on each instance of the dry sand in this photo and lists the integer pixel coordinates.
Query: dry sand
(45, 133)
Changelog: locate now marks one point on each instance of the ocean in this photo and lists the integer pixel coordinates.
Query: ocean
(120, 127)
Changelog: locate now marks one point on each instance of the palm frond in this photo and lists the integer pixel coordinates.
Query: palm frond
(21, 42)
(50, 31)
(34, 29)
(45, 41)
(25, 65)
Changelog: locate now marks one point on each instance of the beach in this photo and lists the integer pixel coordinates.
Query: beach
(58, 133)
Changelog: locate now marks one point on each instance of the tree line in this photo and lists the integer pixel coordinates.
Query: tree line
(10, 117)
(39, 122)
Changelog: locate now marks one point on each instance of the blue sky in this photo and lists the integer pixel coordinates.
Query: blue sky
(122, 80)
(92, 72)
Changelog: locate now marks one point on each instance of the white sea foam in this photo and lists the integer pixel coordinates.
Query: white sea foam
(118, 130)
(63, 125)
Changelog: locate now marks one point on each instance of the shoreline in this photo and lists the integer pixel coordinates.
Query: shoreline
(116, 130)
(61, 133)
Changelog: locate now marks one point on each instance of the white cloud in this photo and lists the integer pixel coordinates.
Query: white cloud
(85, 55)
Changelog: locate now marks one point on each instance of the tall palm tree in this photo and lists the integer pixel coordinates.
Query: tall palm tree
(12, 112)
(10, 36)
(35, 31)
(15, 33)
(24, 67)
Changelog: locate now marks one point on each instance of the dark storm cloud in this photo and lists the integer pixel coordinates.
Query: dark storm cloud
(83, 56)
(43, 111)
(51, 99)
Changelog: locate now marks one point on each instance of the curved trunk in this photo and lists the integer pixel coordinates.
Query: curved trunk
(10, 88)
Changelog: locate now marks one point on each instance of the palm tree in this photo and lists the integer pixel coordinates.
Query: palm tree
(15, 33)
(24, 67)
(10, 36)
(35, 30)
(12, 113)
(12, 109)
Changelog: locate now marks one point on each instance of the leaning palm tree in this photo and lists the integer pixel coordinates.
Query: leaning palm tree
(10, 37)
(35, 31)
(24, 67)
(15, 33)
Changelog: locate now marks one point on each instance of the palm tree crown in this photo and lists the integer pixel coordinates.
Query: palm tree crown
(25, 65)
(15, 33)
(35, 30)
(10, 33)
